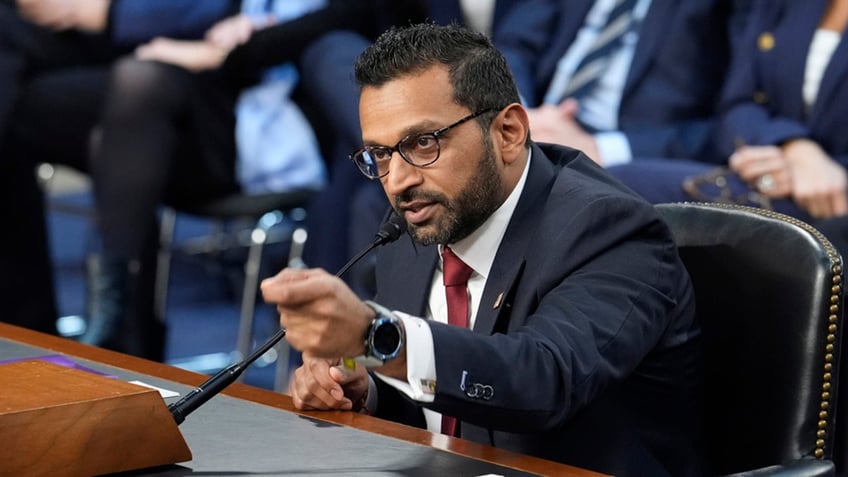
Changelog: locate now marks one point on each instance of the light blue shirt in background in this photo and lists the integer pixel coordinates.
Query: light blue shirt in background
(599, 109)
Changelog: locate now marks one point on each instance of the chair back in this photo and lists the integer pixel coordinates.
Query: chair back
(768, 289)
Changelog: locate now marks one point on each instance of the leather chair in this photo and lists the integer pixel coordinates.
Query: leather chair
(769, 291)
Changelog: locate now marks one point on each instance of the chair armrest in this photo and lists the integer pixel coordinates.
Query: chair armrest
(798, 468)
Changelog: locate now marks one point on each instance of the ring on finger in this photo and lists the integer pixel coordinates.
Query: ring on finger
(766, 183)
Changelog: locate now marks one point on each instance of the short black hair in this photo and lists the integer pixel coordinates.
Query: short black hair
(478, 72)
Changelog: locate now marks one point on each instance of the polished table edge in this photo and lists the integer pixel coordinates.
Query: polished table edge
(363, 422)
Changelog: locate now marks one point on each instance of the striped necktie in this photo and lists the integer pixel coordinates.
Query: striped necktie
(609, 40)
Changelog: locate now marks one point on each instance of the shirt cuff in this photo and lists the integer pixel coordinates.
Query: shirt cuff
(614, 148)
(420, 384)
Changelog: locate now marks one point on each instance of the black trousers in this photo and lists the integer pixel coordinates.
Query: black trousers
(164, 136)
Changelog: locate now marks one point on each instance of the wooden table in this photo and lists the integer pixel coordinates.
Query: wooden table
(251, 430)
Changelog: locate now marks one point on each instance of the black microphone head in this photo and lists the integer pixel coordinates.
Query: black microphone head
(391, 230)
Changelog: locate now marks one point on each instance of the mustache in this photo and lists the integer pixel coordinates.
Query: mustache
(419, 195)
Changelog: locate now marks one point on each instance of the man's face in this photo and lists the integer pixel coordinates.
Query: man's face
(447, 200)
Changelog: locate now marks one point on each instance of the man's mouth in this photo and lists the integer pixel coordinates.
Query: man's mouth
(418, 212)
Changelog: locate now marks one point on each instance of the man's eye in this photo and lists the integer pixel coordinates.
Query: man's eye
(425, 141)
(381, 154)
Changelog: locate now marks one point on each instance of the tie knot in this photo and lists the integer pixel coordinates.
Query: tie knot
(456, 272)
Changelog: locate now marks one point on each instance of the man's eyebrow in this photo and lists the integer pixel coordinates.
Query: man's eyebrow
(418, 128)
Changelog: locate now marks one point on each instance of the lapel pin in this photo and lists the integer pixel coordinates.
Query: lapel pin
(498, 301)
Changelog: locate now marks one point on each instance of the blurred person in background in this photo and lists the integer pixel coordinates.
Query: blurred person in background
(780, 141)
(54, 61)
(175, 130)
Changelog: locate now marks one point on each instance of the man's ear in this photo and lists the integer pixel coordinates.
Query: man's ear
(513, 128)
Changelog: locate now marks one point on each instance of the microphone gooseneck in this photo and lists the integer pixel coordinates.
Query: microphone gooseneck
(219, 381)
(390, 231)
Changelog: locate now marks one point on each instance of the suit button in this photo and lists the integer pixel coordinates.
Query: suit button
(765, 41)
(760, 97)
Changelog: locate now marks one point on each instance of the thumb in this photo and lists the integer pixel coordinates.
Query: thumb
(342, 375)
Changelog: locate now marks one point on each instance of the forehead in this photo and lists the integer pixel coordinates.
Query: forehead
(420, 100)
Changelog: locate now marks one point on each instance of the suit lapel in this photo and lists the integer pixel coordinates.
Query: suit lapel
(508, 266)
(832, 80)
(790, 54)
(654, 27)
(408, 288)
(572, 17)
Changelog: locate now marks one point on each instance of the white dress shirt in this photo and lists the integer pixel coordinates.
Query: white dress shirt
(821, 51)
(478, 14)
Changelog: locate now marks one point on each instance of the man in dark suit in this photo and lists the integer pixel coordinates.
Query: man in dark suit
(572, 333)
(660, 64)
(326, 69)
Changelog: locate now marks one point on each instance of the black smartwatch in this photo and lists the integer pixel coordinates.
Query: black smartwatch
(383, 339)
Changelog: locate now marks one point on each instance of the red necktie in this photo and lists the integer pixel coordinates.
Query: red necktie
(456, 274)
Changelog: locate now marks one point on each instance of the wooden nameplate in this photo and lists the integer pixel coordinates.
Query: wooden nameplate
(56, 420)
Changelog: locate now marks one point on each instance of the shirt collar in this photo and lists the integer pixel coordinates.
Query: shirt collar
(479, 248)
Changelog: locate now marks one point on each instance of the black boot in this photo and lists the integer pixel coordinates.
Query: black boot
(110, 287)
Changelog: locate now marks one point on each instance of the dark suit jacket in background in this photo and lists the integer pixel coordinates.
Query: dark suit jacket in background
(674, 81)
(592, 351)
(763, 104)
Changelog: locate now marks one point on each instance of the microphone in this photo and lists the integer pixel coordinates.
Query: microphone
(390, 231)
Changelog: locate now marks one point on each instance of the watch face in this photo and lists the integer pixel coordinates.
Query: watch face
(386, 337)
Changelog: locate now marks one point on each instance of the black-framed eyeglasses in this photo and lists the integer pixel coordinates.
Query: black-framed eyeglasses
(419, 150)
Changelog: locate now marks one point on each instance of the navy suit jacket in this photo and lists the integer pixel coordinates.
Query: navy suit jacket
(674, 82)
(585, 334)
(763, 103)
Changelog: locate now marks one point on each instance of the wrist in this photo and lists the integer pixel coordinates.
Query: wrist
(799, 147)
(384, 338)
(91, 15)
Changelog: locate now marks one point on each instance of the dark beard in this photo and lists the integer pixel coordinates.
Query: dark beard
(463, 215)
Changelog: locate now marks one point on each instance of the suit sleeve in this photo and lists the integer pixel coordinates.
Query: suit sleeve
(132, 22)
(607, 285)
(684, 139)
